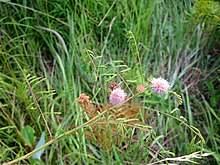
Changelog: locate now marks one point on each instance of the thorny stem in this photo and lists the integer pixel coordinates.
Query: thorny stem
(34, 97)
(31, 153)
(131, 36)
(121, 78)
(176, 118)
(92, 121)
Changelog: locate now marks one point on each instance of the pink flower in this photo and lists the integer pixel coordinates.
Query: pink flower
(140, 88)
(117, 96)
(159, 85)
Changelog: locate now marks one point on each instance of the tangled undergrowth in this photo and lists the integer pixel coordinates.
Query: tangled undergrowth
(59, 64)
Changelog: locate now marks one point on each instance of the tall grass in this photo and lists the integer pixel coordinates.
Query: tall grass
(51, 51)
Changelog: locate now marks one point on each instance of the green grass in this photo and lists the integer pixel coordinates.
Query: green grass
(51, 51)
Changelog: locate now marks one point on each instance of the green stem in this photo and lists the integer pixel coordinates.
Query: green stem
(137, 54)
(92, 121)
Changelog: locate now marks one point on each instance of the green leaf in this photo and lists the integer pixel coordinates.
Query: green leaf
(183, 119)
(28, 134)
(176, 109)
(157, 139)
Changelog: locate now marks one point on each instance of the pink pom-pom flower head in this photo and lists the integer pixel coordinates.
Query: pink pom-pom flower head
(159, 85)
(117, 96)
(140, 88)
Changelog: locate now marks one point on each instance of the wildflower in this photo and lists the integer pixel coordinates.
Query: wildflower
(159, 85)
(87, 105)
(117, 96)
(140, 89)
(84, 99)
(113, 85)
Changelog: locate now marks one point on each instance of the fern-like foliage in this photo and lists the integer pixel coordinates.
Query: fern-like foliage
(28, 95)
(180, 100)
(114, 123)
